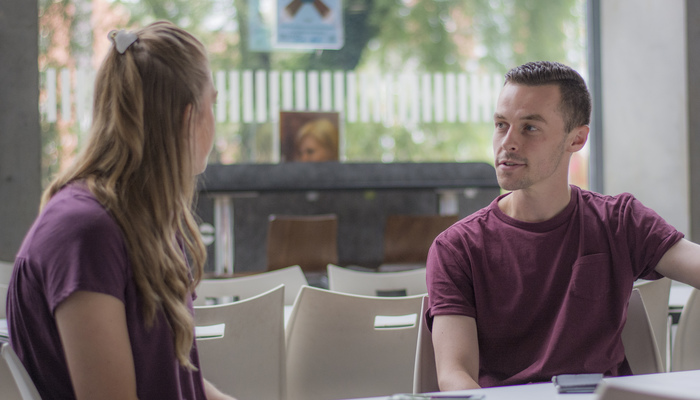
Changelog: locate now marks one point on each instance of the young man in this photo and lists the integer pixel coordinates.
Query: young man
(537, 283)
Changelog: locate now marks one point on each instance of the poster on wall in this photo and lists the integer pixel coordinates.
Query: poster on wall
(309, 24)
(309, 136)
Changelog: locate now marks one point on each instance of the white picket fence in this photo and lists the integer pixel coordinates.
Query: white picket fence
(257, 96)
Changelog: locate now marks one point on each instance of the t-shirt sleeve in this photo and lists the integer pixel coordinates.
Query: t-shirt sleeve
(83, 250)
(449, 279)
(649, 237)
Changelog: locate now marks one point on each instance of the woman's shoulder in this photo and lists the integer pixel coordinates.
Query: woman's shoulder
(74, 212)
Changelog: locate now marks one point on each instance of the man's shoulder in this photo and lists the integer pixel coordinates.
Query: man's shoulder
(472, 224)
(598, 200)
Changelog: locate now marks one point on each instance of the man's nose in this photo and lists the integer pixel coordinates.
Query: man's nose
(510, 140)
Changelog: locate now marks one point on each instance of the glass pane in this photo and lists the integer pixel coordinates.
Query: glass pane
(410, 80)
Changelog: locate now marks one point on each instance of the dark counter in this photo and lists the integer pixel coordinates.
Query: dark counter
(361, 194)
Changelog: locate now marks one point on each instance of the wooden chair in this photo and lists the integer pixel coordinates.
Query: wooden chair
(407, 238)
(686, 345)
(403, 283)
(338, 348)
(638, 338)
(15, 383)
(310, 241)
(219, 291)
(248, 361)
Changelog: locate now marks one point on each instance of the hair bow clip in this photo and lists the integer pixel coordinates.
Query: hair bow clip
(122, 39)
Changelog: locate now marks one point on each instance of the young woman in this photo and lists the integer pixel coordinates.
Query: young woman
(100, 301)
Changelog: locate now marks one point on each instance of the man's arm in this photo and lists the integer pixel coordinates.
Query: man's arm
(456, 352)
(682, 263)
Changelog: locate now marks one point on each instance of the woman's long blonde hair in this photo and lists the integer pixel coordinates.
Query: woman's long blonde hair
(138, 165)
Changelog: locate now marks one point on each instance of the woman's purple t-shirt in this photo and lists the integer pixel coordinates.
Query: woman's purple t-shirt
(549, 298)
(75, 245)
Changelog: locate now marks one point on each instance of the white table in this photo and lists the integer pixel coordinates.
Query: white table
(684, 385)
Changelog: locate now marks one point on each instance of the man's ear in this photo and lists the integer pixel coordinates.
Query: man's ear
(578, 138)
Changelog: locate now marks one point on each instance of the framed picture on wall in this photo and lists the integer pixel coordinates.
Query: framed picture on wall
(309, 136)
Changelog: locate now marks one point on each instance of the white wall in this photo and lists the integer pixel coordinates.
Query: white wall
(644, 91)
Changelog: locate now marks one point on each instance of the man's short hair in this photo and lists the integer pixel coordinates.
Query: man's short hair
(575, 104)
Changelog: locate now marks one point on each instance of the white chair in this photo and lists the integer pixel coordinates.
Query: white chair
(656, 297)
(248, 362)
(404, 283)
(425, 372)
(347, 346)
(15, 383)
(638, 338)
(230, 289)
(686, 345)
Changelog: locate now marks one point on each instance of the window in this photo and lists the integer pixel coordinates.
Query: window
(412, 80)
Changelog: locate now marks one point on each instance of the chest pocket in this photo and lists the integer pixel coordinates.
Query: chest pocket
(590, 277)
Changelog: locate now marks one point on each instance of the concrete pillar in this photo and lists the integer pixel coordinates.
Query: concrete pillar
(693, 46)
(20, 134)
(645, 104)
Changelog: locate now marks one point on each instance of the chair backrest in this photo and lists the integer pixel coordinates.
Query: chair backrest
(310, 241)
(425, 372)
(346, 346)
(686, 344)
(225, 290)
(15, 383)
(638, 338)
(404, 283)
(407, 238)
(248, 362)
(656, 296)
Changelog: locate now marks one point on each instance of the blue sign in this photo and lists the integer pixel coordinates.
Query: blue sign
(309, 24)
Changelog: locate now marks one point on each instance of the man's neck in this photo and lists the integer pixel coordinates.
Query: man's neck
(531, 205)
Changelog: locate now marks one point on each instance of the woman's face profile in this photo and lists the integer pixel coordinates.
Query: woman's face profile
(310, 150)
